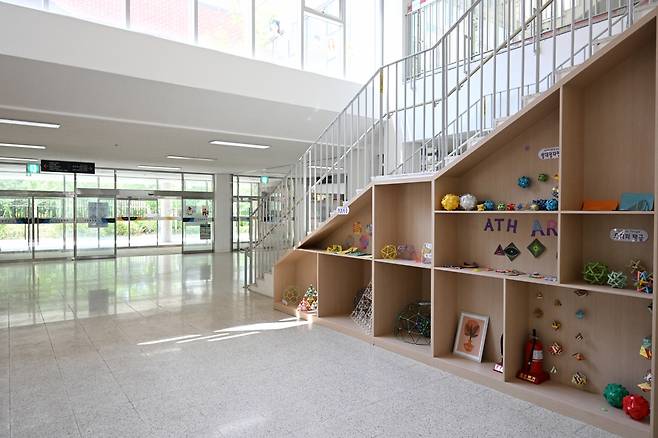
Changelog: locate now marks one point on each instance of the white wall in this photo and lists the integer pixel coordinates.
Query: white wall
(223, 211)
(44, 36)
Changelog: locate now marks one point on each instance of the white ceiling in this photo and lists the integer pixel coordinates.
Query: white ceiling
(120, 121)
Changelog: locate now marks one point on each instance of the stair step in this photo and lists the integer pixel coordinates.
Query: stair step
(406, 176)
(641, 11)
(601, 43)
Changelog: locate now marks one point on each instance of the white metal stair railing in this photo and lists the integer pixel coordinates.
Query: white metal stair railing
(398, 125)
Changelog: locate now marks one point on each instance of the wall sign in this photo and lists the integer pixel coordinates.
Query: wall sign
(628, 235)
(204, 232)
(67, 166)
(552, 153)
(343, 210)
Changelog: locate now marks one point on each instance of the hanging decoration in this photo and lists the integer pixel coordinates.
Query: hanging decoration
(523, 182)
(536, 248)
(579, 379)
(511, 251)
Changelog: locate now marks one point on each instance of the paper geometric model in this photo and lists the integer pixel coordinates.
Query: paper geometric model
(309, 302)
(500, 251)
(290, 296)
(617, 279)
(595, 272)
(414, 323)
(362, 313)
(614, 393)
(555, 349)
(579, 337)
(580, 314)
(644, 282)
(581, 292)
(389, 252)
(536, 248)
(557, 303)
(450, 202)
(553, 370)
(511, 251)
(538, 313)
(635, 266)
(468, 202)
(646, 349)
(636, 407)
(578, 356)
(555, 325)
(579, 379)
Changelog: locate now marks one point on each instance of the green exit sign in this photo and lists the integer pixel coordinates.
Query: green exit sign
(264, 179)
(31, 168)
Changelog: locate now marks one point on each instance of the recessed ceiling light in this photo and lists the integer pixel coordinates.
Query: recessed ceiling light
(17, 159)
(28, 123)
(239, 145)
(180, 157)
(22, 146)
(158, 167)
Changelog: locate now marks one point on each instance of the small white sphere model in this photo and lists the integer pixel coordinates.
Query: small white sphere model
(468, 202)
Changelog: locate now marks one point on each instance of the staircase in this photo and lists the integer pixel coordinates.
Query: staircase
(419, 114)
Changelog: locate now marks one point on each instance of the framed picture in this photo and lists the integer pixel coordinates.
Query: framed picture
(471, 333)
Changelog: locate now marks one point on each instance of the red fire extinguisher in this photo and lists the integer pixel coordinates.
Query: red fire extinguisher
(533, 361)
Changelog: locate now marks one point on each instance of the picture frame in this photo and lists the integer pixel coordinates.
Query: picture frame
(470, 336)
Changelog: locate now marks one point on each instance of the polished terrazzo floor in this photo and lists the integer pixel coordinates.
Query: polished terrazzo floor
(171, 346)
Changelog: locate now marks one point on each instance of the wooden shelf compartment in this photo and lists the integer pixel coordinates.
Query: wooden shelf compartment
(339, 230)
(454, 294)
(612, 329)
(402, 262)
(586, 238)
(403, 215)
(475, 238)
(341, 279)
(608, 129)
(395, 288)
(298, 268)
(494, 176)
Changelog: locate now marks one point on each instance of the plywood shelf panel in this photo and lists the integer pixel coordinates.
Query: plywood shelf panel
(390, 342)
(401, 262)
(341, 278)
(495, 212)
(463, 367)
(493, 274)
(608, 290)
(609, 213)
(345, 324)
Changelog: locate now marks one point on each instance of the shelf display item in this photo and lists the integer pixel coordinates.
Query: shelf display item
(501, 206)
(389, 252)
(468, 202)
(523, 182)
(481, 207)
(617, 279)
(539, 296)
(555, 192)
(414, 324)
(334, 249)
(614, 394)
(499, 251)
(648, 380)
(595, 272)
(511, 251)
(309, 301)
(636, 407)
(498, 366)
(533, 361)
(580, 314)
(538, 313)
(553, 370)
(557, 303)
(511, 206)
(636, 202)
(646, 349)
(470, 336)
(489, 205)
(551, 204)
(536, 248)
(579, 379)
(581, 292)
(534, 206)
(540, 203)
(362, 313)
(450, 202)
(644, 282)
(542, 177)
(635, 265)
(555, 349)
(579, 336)
(290, 296)
(600, 205)
(426, 253)
(578, 356)
(555, 325)
(406, 252)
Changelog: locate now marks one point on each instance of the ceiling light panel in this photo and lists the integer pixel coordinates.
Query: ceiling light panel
(22, 146)
(239, 145)
(29, 123)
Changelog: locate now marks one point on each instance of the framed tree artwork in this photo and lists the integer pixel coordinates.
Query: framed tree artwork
(471, 333)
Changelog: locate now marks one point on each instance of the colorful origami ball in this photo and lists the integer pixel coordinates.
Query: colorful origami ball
(551, 204)
(614, 393)
(450, 202)
(501, 206)
(523, 182)
(542, 177)
(468, 202)
(489, 205)
(636, 407)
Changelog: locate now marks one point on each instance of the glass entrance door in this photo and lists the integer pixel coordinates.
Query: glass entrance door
(94, 227)
(197, 225)
(52, 227)
(15, 228)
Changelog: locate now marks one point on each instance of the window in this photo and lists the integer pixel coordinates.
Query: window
(198, 182)
(28, 3)
(246, 194)
(325, 7)
(225, 25)
(363, 38)
(277, 32)
(323, 45)
(111, 12)
(167, 18)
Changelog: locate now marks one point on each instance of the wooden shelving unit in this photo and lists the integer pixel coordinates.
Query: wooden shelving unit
(603, 118)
